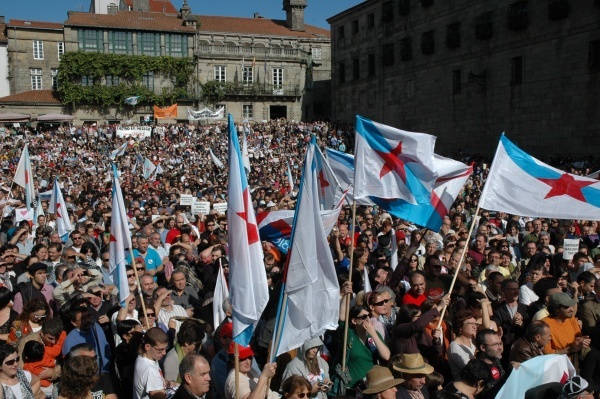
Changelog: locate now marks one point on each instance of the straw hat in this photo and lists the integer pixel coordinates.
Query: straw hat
(380, 379)
(412, 363)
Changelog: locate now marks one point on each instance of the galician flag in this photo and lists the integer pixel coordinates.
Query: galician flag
(58, 207)
(219, 297)
(311, 284)
(247, 276)
(119, 151)
(391, 163)
(24, 177)
(522, 185)
(149, 168)
(216, 160)
(120, 240)
(245, 155)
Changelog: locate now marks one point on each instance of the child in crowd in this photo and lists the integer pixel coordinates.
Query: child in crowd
(35, 362)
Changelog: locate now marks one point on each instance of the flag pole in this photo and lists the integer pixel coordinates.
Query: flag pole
(347, 310)
(236, 354)
(460, 261)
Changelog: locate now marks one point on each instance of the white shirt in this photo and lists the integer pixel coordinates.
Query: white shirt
(526, 294)
(164, 315)
(16, 389)
(147, 377)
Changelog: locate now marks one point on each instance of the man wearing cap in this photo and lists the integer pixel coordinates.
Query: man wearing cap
(35, 288)
(576, 388)
(381, 383)
(219, 369)
(413, 370)
(566, 335)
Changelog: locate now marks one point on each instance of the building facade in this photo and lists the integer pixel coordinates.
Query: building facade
(256, 68)
(467, 71)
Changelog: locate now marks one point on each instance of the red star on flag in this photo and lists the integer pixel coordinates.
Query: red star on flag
(322, 182)
(251, 229)
(566, 185)
(58, 215)
(112, 238)
(393, 162)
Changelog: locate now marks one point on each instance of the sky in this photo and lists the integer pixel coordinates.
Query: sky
(317, 12)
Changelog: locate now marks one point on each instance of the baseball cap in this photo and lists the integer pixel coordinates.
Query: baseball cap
(562, 299)
(244, 351)
(227, 330)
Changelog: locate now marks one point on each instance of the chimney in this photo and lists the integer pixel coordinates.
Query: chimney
(2, 19)
(185, 10)
(294, 14)
(112, 9)
(256, 15)
(141, 5)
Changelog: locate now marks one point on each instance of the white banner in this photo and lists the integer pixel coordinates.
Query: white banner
(570, 248)
(139, 132)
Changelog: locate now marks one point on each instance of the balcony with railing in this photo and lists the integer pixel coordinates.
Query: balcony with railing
(222, 90)
(261, 53)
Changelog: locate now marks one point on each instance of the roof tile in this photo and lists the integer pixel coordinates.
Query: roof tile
(132, 20)
(34, 24)
(32, 97)
(257, 26)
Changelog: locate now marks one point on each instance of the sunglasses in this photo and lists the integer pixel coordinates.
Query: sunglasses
(130, 275)
(151, 314)
(139, 269)
(12, 362)
(302, 394)
(381, 303)
(363, 317)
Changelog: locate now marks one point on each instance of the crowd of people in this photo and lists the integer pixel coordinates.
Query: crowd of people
(65, 334)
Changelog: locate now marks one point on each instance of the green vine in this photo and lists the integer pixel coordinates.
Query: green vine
(129, 69)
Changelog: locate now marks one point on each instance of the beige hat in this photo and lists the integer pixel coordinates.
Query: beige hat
(380, 379)
(412, 363)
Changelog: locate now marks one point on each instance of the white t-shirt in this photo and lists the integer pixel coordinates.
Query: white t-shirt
(147, 377)
(16, 389)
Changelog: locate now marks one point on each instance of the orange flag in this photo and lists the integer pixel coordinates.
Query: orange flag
(167, 112)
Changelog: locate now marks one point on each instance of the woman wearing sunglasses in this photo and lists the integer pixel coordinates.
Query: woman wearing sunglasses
(16, 383)
(296, 387)
(30, 320)
(310, 366)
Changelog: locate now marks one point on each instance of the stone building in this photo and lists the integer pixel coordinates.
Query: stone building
(467, 71)
(256, 68)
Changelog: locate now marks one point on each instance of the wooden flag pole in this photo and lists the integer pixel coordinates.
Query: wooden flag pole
(457, 270)
(236, 354)
(140, 291)
(347, 310)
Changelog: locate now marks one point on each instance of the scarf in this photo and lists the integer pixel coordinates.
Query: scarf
(180, 356)
(24, 386)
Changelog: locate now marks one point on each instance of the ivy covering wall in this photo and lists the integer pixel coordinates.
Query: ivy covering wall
(130, 70)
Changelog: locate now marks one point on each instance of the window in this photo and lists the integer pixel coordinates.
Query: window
(149, 43)
(341, 33)
(87, 81)
(594, 55)
(558, 9)
(316, 53)
(404, 7)
(484, 26)
(516, 71)
(387, 12)
(38, 50)
(406, 49)
(342, 72)
(61, 49)
(453, 35)
(370, 21)
(119, 42)
(220, 73)
(388, 55)
(36, 78)
(355, 69)
(278, 78)
(426, 3)
(355, 27)
(89, 40)
(371, 64)
(427, 43)
(248, 75)
(248, 111)
(54, 74)
(148, 80)
(456, 81)
(112, 80)
(176, 45)
(517, 16)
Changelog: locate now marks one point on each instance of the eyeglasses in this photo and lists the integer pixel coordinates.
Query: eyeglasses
(495, 344)
(12, 362)
(363, 317)
(470, 324)
(369, 218)
(161, 350)
(76, 238)
(381, 303)
(414, 260)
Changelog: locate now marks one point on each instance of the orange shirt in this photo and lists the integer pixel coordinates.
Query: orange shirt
(563, 333)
